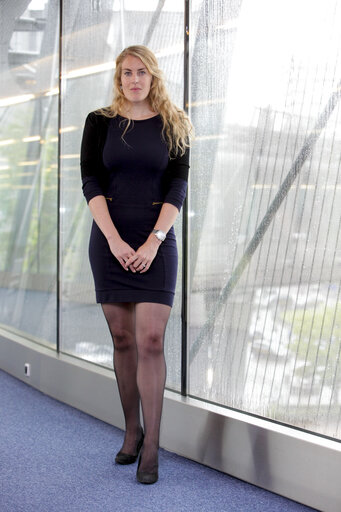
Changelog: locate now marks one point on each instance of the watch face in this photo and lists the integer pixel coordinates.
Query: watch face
(160, 234)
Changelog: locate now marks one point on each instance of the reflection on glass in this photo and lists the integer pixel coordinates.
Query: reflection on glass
(266, 335)
(28, 181)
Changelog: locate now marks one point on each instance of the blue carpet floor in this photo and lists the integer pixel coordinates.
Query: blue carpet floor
(54, 458)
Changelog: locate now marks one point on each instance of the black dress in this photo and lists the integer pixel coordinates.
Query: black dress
(136, 176)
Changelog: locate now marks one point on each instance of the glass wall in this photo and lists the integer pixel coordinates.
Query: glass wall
(265, 255)
(93, 35)
(264, 208)
(28, 167)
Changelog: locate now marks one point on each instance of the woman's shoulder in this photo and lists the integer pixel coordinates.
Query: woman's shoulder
(100, 114)
(98, 118)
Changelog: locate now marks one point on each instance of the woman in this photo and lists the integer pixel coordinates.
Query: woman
(135, 161)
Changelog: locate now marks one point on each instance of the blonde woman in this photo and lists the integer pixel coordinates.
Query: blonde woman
(134, 163)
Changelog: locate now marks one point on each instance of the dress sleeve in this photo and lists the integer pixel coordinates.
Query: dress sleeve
(90, 159)
(177, 178)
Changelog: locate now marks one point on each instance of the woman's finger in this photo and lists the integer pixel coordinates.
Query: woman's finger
(141, 266)
(144, 269)
(123, 263)
(130, 260)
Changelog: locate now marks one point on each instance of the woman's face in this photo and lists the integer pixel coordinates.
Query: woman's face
(136, 79)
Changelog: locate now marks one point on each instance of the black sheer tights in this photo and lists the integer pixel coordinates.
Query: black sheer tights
(138, 332)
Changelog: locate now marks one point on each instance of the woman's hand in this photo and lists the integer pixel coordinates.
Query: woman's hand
(145, 254)
(122, 252)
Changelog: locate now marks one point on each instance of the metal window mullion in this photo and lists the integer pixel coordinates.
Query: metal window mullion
(184, 306)
(58, 287)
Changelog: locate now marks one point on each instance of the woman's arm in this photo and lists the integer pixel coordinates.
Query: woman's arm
(177, 174)
(146, 253)
(91, 169)
(120, 249)
(94, 131)
(166, 219)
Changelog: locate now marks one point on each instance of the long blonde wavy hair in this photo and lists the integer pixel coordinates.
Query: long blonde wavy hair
(177, 128)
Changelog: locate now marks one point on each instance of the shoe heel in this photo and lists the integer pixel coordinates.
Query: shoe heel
(146, 477)
(125, 458)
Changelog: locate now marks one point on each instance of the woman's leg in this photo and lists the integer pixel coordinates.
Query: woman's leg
(151, 320)
(121, 321)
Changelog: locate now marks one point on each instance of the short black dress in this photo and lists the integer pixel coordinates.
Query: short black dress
(136, 177)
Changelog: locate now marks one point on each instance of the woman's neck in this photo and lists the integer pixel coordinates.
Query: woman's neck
(137, 111)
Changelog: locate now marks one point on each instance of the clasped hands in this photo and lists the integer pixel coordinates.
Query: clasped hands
(135, 261)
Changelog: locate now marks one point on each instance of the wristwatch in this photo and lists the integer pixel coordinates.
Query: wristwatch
(160, 235)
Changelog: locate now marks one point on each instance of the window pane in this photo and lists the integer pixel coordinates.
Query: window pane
(94, 34)
(265, 318)
(28, 167)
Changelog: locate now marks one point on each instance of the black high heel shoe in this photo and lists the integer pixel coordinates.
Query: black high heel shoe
(147, 477)
(126, 458)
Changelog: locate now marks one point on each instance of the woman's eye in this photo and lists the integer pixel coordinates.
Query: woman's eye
(142, 72)
(127, 73)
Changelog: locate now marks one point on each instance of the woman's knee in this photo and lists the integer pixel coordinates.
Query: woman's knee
(150, 342)
(123, 339)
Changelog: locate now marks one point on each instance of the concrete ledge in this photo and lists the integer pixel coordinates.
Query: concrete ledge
(295, 464)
